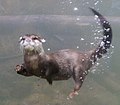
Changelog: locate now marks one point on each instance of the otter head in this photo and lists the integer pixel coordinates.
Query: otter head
(31, 43)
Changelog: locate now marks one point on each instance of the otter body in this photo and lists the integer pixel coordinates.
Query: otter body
(63, 64)
(60, 65)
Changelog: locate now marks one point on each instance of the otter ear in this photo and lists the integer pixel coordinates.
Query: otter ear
(21, 39)
(43, 40)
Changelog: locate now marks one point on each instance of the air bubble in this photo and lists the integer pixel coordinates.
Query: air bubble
(99, 31)
(96, 2)
(78, 18)
(108, 29)
(108, 36)
(97, 63)
(83, 59)
(93, 71)
(104, 22)
(75, 8)
(96, 37)
(82, 39)
(81, 77)
(77, 47)
(48, 49)
(104, 37)
(102, 44)
(87, 2)
(92, 43)
(112, 46)
(96, 17)
(108, 42)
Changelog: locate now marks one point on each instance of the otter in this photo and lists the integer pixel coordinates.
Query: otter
(63, 64)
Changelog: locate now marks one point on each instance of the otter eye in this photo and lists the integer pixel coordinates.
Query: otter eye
(35, 38)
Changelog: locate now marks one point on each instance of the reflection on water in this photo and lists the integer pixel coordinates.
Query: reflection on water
(101, 87)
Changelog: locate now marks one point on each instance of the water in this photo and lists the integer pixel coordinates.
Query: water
(64, 24)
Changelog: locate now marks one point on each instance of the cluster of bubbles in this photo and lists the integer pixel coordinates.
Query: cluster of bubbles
(94, 3)
(96, 31)
(84, 3)
(66, 3)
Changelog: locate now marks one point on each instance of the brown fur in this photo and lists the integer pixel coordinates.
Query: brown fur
(64, 64)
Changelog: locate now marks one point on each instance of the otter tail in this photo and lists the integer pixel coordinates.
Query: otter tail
(107, 37)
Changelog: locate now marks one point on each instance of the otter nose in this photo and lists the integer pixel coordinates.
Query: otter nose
(28, 40)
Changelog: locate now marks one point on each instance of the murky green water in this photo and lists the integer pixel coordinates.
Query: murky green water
(58, 23)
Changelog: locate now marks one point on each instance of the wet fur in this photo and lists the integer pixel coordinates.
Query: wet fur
(64, 64)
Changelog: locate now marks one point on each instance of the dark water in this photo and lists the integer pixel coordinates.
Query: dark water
(62, 27)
